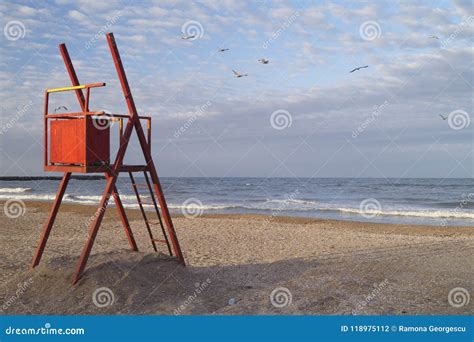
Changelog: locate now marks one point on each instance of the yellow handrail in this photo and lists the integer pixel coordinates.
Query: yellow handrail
(83, 86)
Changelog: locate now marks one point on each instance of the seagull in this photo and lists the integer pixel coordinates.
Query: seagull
(223, 50)
(443, 117)
(236, 74)
(263, 61)
(433, 37)
(358, 68)
(183, 36)
(58, 108)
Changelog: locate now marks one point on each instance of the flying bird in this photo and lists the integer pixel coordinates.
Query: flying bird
(443, 117)
(185, 37)
(236, 74)
(433, 37)
(60, 107)
(263, 61)
(223, 50)
(358, 68)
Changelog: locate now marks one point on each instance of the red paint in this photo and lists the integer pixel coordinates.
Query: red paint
(77, 145)
(79, 142)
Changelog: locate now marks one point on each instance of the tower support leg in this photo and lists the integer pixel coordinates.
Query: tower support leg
(52, 216)
(82, 102)
(144, 145)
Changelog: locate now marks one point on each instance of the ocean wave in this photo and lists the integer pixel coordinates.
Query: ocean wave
(29, 197)
(459, 204)
(15, 190)
(207, 206)
(292, 201)
(457, 214)
(270, 205)
(97, 198)
(421, 213)
(66, 198)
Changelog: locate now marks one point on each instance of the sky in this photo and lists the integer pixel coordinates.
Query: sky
(301, 115)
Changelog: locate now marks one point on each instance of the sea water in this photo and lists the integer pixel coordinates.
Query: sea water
(430, 201)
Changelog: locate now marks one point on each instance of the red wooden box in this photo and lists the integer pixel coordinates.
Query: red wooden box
(80, 141)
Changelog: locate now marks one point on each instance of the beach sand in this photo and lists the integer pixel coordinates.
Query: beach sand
(234, 263)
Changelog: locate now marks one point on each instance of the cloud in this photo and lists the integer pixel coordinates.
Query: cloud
(79, 17)
(308, 75)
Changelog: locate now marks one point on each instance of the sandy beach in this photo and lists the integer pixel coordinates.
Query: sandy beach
(235, 262)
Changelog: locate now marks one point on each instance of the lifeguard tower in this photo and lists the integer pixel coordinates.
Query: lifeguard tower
(80, 142)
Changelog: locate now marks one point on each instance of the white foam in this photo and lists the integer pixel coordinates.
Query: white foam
(290, 205)
(14, 190)
(420, 213)
(96, 198)
(29, 197)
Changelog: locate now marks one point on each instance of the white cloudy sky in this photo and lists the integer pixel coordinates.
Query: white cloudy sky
(312, 46)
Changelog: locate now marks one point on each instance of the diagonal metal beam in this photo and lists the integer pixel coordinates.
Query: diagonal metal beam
(144, 145)
(82, 102)
(49, 223)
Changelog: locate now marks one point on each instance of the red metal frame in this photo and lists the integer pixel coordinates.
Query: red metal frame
(111, 171)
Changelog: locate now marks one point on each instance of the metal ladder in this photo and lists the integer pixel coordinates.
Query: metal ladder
(148, 223)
